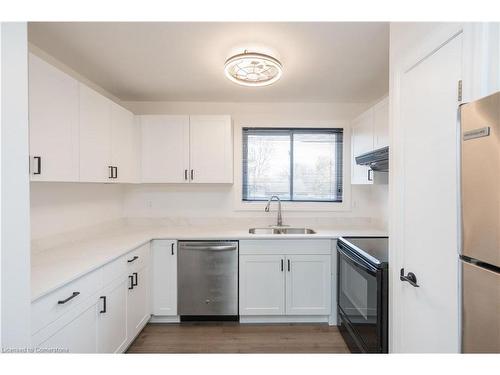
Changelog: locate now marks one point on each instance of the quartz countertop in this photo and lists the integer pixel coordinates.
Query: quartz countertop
(55, 266)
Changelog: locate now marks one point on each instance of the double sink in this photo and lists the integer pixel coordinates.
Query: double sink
(281, 230)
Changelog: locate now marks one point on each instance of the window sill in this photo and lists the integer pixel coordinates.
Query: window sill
(295, 206)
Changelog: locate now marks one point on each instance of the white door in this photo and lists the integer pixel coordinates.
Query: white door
(262, 285)
(137, 302)
(78, 336)
(211, 149)
(381, 124)
(308, 284)
(361, 143)
(427, 317)
(164, 278)
(124, 144)
(53, 123)
(112, 323)
(95, 136)
(165, 148)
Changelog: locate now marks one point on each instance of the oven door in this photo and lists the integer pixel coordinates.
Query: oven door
(358, 287)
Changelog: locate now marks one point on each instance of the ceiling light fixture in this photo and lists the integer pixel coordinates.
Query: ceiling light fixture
(253, 69)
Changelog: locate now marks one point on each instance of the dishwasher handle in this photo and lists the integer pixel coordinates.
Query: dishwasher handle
(210, 248)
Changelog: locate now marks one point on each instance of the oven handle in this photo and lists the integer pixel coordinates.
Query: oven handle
(358, 262)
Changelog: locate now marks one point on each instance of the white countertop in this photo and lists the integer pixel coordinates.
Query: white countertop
(56, 266)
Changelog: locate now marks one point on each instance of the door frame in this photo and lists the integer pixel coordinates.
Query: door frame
(427, 45)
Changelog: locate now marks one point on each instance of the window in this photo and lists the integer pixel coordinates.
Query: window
(296, 164)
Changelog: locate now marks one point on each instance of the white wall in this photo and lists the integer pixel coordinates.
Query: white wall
(61, 207)
(219, 200)
(15, 246)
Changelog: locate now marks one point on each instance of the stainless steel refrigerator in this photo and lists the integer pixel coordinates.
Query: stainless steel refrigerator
(480, 250)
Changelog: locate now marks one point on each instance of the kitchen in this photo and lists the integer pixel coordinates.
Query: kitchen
(173, 208)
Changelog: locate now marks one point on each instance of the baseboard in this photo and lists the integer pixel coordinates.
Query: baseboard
(164, 319)
(285, 319)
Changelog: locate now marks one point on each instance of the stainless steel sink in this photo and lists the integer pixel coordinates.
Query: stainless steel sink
(274, 230)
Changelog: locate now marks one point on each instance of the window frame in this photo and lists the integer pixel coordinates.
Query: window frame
(291, 131)
(240, 122)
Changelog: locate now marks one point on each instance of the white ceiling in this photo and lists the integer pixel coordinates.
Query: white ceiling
(183, 61)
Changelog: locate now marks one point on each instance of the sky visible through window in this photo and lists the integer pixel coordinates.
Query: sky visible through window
(294, 164)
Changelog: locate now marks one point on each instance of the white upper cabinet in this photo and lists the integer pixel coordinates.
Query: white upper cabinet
(95, 136)
(53, 125)
(369, 131)
(381, 124)
(125, 137)
(165, 148)
(187, 149)
(211, 149)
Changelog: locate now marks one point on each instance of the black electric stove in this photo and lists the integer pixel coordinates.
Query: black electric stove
(362, 282)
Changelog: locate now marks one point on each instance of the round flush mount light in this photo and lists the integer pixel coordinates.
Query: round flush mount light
(253, 69)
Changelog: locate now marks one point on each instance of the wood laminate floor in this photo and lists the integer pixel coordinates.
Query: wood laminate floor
(230, 337)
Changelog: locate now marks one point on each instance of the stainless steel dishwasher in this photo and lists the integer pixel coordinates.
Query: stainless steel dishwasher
(207, 279)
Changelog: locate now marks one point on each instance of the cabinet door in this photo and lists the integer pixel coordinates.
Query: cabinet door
(137, 302)
(95, 136)
(53, 122)
(164, 277)
(262, 285)
(112, 323)
(124, 144)
(165, 148)
(308, 285)
(361, 142)
(211, 149)
(381, 124)
(78, 336)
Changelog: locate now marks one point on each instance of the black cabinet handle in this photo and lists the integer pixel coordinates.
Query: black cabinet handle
(288, 261)
(62, 302)
(370, 172)
(38, 164)
(136, 279)
(192, 174)
(172, 248)
(131, 279)
(410, 278)
(103, 305)
(133, 259)
(115, 175)
(281, 265)
(110, 171)
(185, 174)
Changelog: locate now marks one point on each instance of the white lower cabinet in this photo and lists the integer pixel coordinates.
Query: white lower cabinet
(164, 278)
(112, 322)
(138, 312)
(262, 285)
(279, 277)
(79, 335)
(101, 312)
(308, 285)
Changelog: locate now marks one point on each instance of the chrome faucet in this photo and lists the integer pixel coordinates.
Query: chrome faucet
(280, 217)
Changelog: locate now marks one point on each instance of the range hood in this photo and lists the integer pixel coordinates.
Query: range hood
(377, 160)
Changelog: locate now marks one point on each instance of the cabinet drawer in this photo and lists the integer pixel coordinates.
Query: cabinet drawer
(47, 309)
(138, 258)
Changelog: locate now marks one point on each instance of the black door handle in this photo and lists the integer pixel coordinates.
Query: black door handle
(411, 278)
(172, 248)
(111, 169)
(116, 172)
(131, 260)
(288, 261)
(131, 279)
(192, 174)
(185, 174)
(69, 298)
(136, 279)
(38, 164)
(282, 265)
(103, 305)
